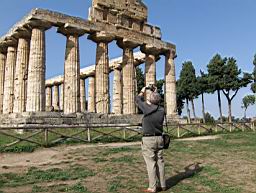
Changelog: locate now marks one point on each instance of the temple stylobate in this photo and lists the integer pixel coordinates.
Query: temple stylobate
(23, 87)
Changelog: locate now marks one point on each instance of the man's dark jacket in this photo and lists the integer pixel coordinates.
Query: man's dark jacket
(152, 123)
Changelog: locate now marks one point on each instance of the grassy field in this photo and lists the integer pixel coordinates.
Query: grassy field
(224, 165)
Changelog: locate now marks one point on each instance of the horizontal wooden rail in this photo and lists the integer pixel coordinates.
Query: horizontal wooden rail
(48, 135)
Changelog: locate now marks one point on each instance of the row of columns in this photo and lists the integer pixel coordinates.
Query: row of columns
(22, 76)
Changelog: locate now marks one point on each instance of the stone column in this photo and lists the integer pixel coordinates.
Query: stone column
(102, 71)
(36, 72)
(2, 72)
(150, 69)
(72, 76)
(48, 98)
(82, 95)
(71, 82)
(9, 79)
(152, 54)
(55, 101)
(91, 95)
(128, 74)
(170, 84)
(61, 87)
(117, 92)
(21, 73)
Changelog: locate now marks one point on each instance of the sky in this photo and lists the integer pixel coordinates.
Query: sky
(199, 29)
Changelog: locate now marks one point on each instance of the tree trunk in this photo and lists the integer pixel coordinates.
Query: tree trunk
(188, 112)
(219, 101)
(193, 108)
(245, 112)
(203, 108)
(229, 112)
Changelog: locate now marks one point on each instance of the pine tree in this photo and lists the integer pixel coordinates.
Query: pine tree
(253, 86)
(216, 77)
(233, 82)
(247, 101)
(187, 85)
(203, 87)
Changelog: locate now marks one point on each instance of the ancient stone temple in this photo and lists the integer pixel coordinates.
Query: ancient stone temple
(25, 92)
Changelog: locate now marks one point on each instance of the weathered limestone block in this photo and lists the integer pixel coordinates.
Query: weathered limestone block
(72, 76)
(55, 101)
(150, 69)
(9, 80)
(91, 95)
(21, 73)
(36, 72)
(2, 72)
(117, 92)
(152, 55)
(48, 93)
(82, 95)
(128, 75)
(170, 85)
(61, 87)
(102, 71)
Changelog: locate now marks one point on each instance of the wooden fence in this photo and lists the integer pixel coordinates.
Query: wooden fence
(49, 135)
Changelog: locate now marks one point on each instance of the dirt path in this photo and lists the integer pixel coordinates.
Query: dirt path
(54, 156)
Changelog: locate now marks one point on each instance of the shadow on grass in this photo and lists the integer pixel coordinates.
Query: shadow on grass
(189, 171)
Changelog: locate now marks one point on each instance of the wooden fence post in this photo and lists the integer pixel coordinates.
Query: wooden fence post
(124, 133)
(46, 137)
(178, 131)
(88, 135)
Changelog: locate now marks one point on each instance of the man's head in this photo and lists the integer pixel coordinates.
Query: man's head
(154, 98)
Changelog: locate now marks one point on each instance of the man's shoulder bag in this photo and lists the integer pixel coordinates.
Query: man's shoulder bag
(166, 136)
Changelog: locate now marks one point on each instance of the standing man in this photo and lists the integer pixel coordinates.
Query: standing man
(152, 141)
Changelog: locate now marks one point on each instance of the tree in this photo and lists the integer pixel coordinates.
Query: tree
(253, 86)
(140, 79)
(216, 77)
(233, 82)
(203, 87)
(247, 101)
(209, 118)
(180, 102)
(187, 86)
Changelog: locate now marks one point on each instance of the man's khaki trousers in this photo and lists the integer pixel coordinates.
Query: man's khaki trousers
(152, 150)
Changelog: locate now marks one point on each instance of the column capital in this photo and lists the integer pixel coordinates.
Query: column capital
(125, 43)
(68, 29)
(39, 24)
(171, 53)
(102, 36)
(151, 49)
(3, 49)
(56, 83)
(47, 85)
(10, 41)
(23, 32)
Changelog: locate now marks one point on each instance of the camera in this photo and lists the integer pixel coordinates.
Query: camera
(151, 87)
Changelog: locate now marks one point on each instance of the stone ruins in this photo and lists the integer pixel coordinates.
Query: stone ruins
(24, 92)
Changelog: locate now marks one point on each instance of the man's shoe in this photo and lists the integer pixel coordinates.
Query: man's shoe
(149, 190)
(159, 189)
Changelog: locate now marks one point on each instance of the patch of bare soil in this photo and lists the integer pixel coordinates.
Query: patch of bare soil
(199, 138)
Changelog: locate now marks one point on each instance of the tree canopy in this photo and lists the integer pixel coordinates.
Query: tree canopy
(253, 86)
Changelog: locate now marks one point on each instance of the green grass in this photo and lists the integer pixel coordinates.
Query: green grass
(30, 147)
(35, 175)
(76, 188)
(116, 137)
(227, 166)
